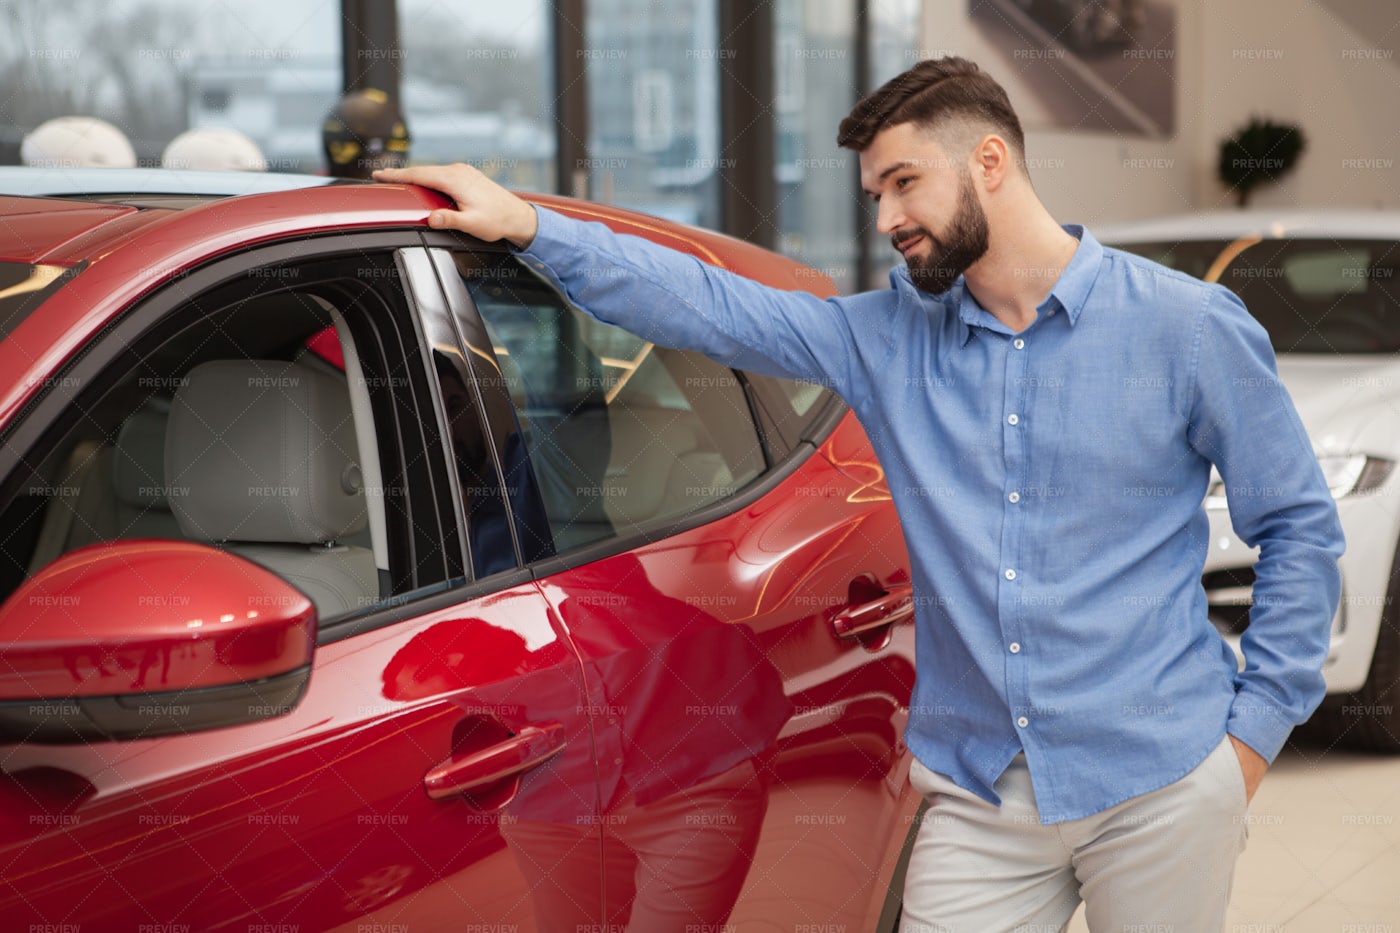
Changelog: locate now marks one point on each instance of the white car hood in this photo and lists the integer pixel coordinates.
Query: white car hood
(1340, 397)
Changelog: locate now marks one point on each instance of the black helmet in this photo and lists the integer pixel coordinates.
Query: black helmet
(365, 131)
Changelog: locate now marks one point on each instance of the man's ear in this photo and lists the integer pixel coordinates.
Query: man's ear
(990, 161)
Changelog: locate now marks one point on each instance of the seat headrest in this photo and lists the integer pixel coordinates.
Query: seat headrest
(264, 451)
(138, 467)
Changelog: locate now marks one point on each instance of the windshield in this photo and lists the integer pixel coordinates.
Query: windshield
(1320, 295)
(23, 287)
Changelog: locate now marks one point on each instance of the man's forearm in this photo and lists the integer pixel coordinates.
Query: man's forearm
(675, 300)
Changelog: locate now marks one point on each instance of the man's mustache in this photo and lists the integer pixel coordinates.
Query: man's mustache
(899, 239)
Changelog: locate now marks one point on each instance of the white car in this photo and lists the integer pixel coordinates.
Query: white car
(1326, 286)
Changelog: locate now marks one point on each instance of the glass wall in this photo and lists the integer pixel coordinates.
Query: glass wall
(815, 86)
(825, 219)
(895, 46)
(476, 82)
(477, 87)
(895, 39)
(154, 68)
(653, 106)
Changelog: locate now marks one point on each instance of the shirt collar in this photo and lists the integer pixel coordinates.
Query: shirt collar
(1070, 291)
(1072, 288)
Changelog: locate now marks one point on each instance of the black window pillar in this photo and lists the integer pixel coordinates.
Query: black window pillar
(748, 191)
(369, 38)
(570, 99)
(865, 215)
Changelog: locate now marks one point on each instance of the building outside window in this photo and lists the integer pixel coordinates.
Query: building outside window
(478, 87)
(653, 106)
(815, 85)
(154, 68)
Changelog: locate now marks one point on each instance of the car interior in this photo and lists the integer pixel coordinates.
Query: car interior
(1320, 296)
(1313, 295)
(231, 432)
(264, 456)
(623, 434)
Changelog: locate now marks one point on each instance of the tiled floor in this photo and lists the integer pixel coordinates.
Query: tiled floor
(1324, 848)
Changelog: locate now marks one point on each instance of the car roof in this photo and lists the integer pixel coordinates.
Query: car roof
(66, 216)
(1266, 224)
(128, 250)
(96, 183)
(34, 228)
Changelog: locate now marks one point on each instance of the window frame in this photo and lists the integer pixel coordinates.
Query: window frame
(152, 320)
(499, 409)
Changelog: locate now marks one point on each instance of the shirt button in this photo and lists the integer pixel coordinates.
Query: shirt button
(1018, 343)
(1014, 647)
(1023, 722)
(1015, 497)
(1010, 574)
(1013, 419)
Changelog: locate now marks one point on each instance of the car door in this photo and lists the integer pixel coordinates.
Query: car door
(741, 612)
(437, 702)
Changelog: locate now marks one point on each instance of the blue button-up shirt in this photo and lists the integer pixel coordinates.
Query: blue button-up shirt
(1049, 484)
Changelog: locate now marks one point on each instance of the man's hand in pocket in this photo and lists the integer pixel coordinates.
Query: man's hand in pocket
(1252, 766)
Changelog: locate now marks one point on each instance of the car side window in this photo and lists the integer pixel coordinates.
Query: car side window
(623, 435)
(244, 419)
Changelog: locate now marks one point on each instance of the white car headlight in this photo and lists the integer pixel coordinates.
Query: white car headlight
(1354, 473)
(1346, 474)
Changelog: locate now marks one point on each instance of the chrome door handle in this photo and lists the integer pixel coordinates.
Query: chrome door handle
(529, 748)
(895, 606)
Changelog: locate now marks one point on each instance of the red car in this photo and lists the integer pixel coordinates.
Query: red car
(353, 580)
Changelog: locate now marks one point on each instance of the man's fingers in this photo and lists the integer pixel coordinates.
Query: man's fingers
(445, 219)
(451, 180)
(484, 209)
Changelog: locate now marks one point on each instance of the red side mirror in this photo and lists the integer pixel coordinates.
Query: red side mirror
(134, 639)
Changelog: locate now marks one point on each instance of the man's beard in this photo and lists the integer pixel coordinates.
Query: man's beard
(962, 244)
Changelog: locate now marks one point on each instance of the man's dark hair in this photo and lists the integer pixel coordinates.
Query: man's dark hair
(930, 95)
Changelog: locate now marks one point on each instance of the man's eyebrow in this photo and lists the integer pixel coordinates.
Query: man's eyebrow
(903, 163)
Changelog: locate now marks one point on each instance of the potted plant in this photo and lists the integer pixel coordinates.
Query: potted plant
(1259, 152)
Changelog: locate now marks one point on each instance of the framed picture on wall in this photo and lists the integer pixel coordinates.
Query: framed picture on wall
(1097, 65)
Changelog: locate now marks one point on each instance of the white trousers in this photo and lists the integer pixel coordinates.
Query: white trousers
(1158, 863)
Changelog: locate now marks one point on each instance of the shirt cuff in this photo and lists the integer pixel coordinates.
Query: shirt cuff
(545, 234)
(1259, 723)
(551, 249)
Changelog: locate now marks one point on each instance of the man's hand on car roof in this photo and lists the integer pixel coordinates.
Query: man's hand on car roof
(485, 210)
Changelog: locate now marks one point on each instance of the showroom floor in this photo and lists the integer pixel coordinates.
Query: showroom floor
(1324, 848)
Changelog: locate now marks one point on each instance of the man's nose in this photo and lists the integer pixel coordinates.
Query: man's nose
(888, 218)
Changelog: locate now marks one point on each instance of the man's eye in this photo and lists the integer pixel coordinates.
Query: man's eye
(904, 182)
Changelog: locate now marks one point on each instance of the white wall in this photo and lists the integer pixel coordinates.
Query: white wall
(1293, 60)
(1286, 59)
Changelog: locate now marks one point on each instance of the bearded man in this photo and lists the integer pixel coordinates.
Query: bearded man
(1079, 728)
